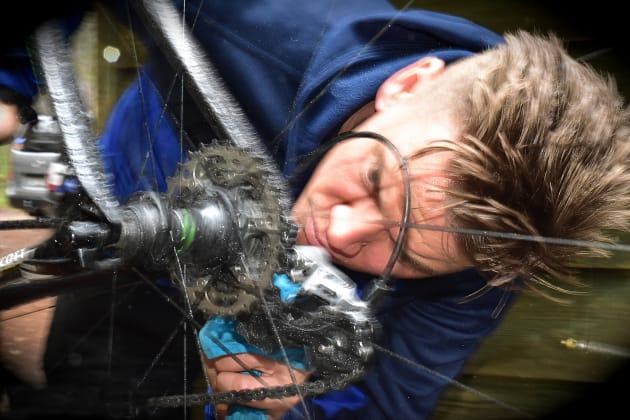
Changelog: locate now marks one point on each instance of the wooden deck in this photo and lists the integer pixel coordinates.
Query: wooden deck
(525, 364)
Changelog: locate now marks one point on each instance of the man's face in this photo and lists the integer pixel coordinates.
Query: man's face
(352, 206)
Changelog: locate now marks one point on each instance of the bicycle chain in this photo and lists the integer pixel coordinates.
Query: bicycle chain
(317, 387)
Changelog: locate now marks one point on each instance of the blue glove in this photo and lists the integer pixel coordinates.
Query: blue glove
(218, 337)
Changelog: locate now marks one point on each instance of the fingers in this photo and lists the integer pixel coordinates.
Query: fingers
(275, 408)
(220, 411)
(235, 381)
(236, 363)
(227, 374)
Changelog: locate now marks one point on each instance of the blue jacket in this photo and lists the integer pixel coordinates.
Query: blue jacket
(299, 72)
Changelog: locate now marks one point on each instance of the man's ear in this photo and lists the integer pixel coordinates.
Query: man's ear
(405, 80)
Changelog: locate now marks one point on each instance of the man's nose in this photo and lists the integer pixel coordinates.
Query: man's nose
(350, 228)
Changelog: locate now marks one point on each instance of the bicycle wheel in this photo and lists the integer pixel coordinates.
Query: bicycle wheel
(234, 174)
(109, 325)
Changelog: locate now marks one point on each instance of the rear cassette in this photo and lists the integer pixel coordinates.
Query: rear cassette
(260, 222)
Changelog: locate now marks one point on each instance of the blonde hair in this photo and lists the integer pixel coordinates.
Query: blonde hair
(544, 153)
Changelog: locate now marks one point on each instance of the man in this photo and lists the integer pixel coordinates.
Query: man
(474, 174)
(299, 84)
(495, 141)
(481, 134)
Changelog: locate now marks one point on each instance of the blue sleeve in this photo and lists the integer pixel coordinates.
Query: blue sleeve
(262, 49)
(20, 78)
(138, 144)
(428, 338)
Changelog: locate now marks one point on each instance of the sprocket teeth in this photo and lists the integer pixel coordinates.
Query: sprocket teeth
(245, 179)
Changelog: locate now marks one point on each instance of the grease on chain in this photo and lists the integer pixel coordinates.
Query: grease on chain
(232, 397)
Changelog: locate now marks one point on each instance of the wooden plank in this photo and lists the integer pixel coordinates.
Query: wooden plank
(506, 398)
(528, 344)
(617, 260)
(524, 364)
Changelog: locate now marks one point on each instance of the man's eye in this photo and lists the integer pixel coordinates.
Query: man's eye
(374, 179)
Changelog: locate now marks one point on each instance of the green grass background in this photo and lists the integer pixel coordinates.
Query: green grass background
(4, 171)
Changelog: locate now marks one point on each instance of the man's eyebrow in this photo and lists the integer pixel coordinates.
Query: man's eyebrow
(414, 262)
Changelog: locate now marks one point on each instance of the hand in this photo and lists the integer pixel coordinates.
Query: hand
(9, 122)
(225, 374)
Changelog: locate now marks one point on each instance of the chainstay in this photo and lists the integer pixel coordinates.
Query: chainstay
(278, 392)
(38, 223)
